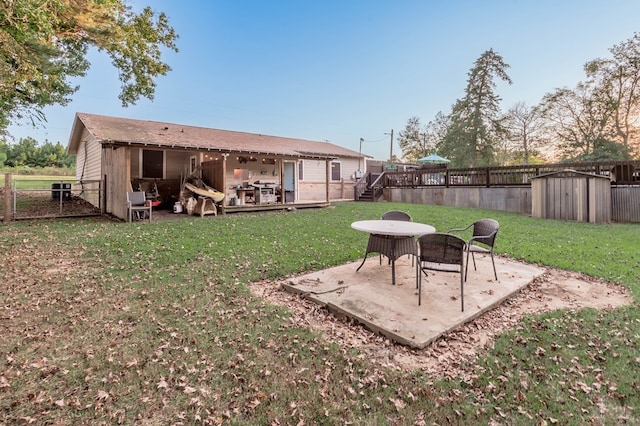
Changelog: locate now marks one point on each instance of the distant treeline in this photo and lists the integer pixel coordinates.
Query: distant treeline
(28, 153)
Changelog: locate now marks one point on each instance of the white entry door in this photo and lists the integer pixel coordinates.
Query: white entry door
(289, 184)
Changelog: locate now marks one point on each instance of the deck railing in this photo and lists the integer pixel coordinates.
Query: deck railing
(620, 173)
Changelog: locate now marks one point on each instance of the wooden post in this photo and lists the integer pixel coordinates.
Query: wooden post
(327, 177)
(7, 198)
(282, 191)
(224, 183)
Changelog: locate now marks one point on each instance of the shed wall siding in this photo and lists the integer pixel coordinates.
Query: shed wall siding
(565, 197)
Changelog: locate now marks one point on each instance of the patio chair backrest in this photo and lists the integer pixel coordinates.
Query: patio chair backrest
(485, 231)
(441, 248)
(440, 252)
(136, 198)
(396, 215)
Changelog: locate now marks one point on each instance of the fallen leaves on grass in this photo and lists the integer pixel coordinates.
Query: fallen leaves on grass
(453, 354)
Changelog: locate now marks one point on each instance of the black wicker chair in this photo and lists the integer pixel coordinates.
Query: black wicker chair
(383, 244)
(407, 241)
(440, 252)
(482, 241)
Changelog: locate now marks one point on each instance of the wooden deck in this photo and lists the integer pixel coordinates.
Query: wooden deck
(251, 207)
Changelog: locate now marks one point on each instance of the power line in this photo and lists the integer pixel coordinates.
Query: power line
(378, 140)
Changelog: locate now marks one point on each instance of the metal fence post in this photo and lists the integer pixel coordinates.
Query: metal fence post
(8, 215)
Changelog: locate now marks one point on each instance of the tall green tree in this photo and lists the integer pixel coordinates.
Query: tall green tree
(409, 140)
(27, 152)
(43, 44)
(581, 120)
(526, 131)
(434, 132)
(23, 153)
(4, 149)
(618, 80)
(475, 127)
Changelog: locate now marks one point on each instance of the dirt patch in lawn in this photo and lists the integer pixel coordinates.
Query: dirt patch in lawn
(555, 289)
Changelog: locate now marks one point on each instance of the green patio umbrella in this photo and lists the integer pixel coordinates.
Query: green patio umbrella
(433, 159)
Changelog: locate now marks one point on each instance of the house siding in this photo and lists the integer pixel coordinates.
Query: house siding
(89, 169)
(315, 171)
(312, 186)
(88, 165)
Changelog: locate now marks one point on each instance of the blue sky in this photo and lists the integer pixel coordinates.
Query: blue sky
(341, 70)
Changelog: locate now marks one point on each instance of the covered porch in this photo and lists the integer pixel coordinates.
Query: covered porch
(249, 183)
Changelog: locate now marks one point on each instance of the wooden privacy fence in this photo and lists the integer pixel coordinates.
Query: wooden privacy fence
(619, 172)
(509, 189)
(625, 204)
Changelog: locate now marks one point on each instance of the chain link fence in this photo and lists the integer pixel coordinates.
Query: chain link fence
(38, 198)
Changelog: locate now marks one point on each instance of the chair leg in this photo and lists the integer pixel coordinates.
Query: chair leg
(494, 266)
(461, 291)
(466, 266)
(419, 283)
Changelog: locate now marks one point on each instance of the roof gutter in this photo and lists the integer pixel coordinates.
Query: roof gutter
(300, 155)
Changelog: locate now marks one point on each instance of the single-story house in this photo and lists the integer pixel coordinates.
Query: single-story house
(254, 171)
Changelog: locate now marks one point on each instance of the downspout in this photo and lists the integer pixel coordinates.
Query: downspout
(84, 166)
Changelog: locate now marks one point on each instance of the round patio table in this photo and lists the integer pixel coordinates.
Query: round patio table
(397, 238)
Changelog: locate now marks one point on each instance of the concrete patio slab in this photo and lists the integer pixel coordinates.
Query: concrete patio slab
(392, 310)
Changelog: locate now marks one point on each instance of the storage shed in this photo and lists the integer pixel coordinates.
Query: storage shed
(571, 195)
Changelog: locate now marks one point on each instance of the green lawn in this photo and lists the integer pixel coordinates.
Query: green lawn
(35, 181)
(108, 322)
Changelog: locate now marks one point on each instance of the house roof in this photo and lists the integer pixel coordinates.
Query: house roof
(126, 131)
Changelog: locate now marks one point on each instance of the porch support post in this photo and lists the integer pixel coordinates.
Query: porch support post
(326, 179)
(224, 183)
(282, 191)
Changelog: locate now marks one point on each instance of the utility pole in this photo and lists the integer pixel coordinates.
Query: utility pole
(360, 152)
(424, 144)
(391, 148)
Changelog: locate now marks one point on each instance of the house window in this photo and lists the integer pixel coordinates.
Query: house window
(301, 170)
(336, 170)
(152, 164)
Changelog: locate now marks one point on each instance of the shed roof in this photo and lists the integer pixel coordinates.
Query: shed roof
(119, 131)
(569, 173)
